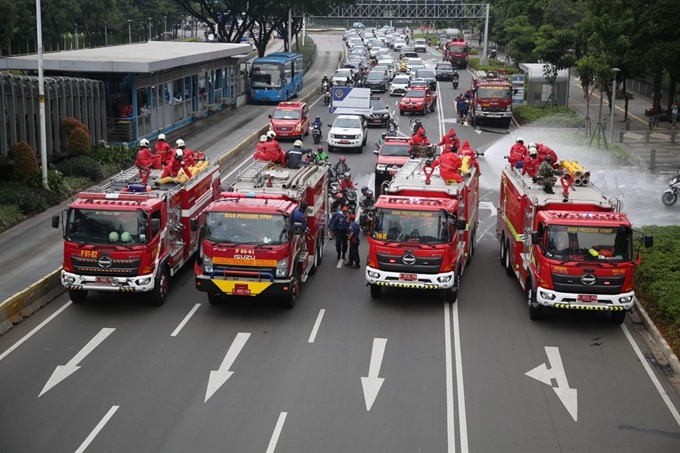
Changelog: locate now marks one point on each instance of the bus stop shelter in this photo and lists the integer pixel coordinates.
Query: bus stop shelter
(538, 89)
(153, 87)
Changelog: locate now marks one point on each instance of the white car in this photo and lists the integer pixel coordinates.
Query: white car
(348, 131)
(376, 47)
(399, 85)
(390, 66)
(340, 76)
(420, 45)
(398, 44)
(412, 64)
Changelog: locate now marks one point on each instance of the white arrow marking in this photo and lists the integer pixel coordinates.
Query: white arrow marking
(64, 371)
(372, 383)
(488, 205)
(567, 395)
(220, 376)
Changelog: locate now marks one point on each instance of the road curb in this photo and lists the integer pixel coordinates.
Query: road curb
(23, 304)
(658, 338)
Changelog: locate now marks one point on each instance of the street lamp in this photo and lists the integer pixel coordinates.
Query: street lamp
(106, 34)
(149, 25)
(129, 31)
(76, 27)
(611, 120)
(165, 28)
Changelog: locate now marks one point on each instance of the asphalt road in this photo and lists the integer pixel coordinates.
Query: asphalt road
(248, 376)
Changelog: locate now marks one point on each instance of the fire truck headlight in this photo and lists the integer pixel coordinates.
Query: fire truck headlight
(508, 108)
(625, 299)
(373, 274)
(207, 264)
(546, 295)
(444, 278)
(69, 279)
(143, 281)
(282, 268)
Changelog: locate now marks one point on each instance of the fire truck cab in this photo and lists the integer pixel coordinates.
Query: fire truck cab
(492, 100)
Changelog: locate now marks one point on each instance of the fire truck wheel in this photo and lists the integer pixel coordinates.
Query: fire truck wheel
(77, 297)
(618, 317)
(502, 250)
(472, 248)
(376, 291)
(214, 298)
(508, 260)
(160, 288)
(317, 261)
(535, 310)
(291, 297)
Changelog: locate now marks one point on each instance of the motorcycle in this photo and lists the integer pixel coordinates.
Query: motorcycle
(492, 54)
(316, 134)
(327, 98)
(324, 87)
(670, 196)
(350, 200)
(366, 218)
(455, 84)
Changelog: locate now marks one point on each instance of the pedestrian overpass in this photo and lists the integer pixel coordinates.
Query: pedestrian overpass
(405, 9)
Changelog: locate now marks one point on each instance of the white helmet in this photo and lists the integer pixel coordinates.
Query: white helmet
(532, 145)
(179, 143)
(271, 134)
(532, 150)
(519, 140)
(125, 237)
(113, 236)
(161, 137)
(298, 143)
(179, 154)
(263, 138)
(144, 143)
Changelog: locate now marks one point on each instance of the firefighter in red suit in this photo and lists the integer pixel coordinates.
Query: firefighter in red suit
(163, 149)
(449, 164)
(531, 162)
(543, 151)
(466, 151)
(517, 154)
(260, 148)
(420, 138)
(146, 160)
(177, 162)
(273, 151)
(189, 157)
(450, 139)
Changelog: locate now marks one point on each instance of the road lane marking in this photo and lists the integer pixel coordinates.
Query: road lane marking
(339, 264)
(220, 376)
(34, 331)
(652, 376)
(97, 428)
(371, 384)
(568, 396)
(277, 432)
(64, 371)
(450, 427)
(185, 320)
(462, 415)
(315, 329)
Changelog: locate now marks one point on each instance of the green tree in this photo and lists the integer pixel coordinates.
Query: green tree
(521, 39)
(552, 48)
(8, 12)
(588, 67)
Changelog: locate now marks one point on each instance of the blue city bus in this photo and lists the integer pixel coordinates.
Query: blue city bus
(276, 77)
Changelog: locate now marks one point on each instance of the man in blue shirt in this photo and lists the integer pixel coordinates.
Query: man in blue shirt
(300, 215)
(353, 240)
(339, 227)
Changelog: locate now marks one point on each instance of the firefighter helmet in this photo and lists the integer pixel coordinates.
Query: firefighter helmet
(180, 143)
(144, 143)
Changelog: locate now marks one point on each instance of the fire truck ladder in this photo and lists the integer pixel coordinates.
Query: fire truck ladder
(254, 173)
(529, 214)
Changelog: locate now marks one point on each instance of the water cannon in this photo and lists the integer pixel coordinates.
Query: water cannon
(428, 170)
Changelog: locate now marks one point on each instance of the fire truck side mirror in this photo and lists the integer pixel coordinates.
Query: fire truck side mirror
(649, 241)
(535, 238)
(461, 224)
(193, 224)
(55, 221)
(297, 229)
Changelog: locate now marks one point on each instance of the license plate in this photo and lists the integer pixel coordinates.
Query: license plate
(408, 277)
(376, 121)
(106, 280)
(344, 142)
(241, 290)
(587, 298)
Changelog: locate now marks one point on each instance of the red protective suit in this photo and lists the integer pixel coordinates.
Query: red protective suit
(517, 154)
(164, 151)
(189, 157)
(346, 184)
(145, 158)
(450, 139)
(419, 138)
(530, 166)
(450, 167)
(260, 151)
(543, 151)
(273, 152)
(466, 151)
(172, 169)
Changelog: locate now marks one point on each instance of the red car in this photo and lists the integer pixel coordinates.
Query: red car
(290, 120)
(418, 100)
(393, 153)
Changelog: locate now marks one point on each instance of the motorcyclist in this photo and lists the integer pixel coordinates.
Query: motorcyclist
(177, 162)
(188, 154)
(273, 151)
(146, 160)
(517, 153)
(163, 149)
(346, 182)
(455, 75)
(367, 200)
(341, 167)
(317, 121)
(337, 202)
(382, 139)
(261, 148)
(294, 155)
(531, 162)
(321, 156)
(449, 164)
(450, 139)
(417, 125)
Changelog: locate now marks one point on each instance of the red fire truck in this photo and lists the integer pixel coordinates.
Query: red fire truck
(492, 100)
(423, 231)
(249, 244)
(456, 51)
(569, 250)
(129, 237)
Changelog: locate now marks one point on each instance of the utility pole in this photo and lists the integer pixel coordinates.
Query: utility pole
(290, 29)
(41, 97)
(106, 34)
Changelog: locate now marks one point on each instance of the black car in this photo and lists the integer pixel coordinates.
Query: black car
(443, 71)
(381, 113)
(377, 81)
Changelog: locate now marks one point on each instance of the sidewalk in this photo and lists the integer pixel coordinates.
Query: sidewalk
(657, 149)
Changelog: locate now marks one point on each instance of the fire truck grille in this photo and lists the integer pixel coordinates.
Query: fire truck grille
(494, 109)
(573, 284)
(219, 270)
(422, 265)
(117, 267)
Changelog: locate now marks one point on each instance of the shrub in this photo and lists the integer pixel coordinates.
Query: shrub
(69, 123)
(26, 168)
(81, 166)
(10, 215)
(493, 65)
(308, 51)
(120, 156)
(30, 200)
(55, 180)
(78, 142)
(539, 116)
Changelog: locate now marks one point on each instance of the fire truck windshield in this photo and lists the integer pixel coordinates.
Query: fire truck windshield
(457, 49)
(489, 92)
(246, 228)
(581, 243)
(398, 225)
(90, 226)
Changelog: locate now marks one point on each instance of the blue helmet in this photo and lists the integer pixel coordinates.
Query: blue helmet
(339, 212)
